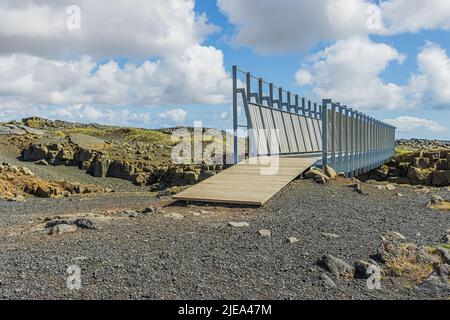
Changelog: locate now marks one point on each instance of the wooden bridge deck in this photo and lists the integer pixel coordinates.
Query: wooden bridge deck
(244, 183)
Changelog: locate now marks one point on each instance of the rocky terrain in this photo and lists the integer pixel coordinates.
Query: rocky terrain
(422, 144)
(419, 167)
(141, 156)
(71, 200)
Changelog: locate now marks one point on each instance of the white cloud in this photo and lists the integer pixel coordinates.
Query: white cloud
(400, 16)
(349, 72)
(132, 28)
(177, 116)
(431, 85)
(198, 78)
(87, 113)
(286, 25)
(163, 37)
(303, 77)
(415, 125)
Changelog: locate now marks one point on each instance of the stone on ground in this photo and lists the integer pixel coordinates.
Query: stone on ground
(174, 215)
(437, 284)
(292, 240)
(390, 187)
(330, 172)
(339, 268)
(436, 200)
(239, 224)
(446, 238)
(42, 163)
(362, 268)
(327, 282)
(85, 224)
(314, 173)
(265, 233)
(62, 228)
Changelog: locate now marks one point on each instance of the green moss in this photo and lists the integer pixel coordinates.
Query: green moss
(402, 151)
(124, 134)
(35, 123)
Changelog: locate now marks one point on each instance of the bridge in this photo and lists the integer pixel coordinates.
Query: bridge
(295, 133)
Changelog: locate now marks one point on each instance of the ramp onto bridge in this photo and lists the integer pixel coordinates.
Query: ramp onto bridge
(244, 183)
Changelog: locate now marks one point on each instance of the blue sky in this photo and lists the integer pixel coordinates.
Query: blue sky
(165, 63)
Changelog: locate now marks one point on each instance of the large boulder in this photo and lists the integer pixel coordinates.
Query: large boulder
(439, 179)
(190, 177)
(433, 155)
(35, 152)
(55, 147)
(383, 172)
(99, 167)
(45, 191)
(442, 164)
(422, 163)
(121, 170)
(403, 169)
(81, 155)
(206, 174)
(65, 155)
(447, 176)
(417, 175)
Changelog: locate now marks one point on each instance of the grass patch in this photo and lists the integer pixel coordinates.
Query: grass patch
(407, 266)
(402, 151)
(126, 134)
(445, 206)
(445, 245)
(35, 123)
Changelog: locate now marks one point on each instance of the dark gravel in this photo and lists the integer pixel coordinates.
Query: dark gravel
(198, 257)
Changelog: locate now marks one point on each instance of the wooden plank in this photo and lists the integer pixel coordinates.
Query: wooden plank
(244, 183)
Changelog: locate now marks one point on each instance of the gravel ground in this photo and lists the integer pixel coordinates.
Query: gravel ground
(199, 257)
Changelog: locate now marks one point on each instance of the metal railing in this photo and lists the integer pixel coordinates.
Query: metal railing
(353, 142)
(349, 141)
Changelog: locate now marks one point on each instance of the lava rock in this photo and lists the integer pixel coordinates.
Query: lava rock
(337, 267)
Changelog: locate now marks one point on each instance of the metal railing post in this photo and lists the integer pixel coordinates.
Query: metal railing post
(324, 117)
(271, 95)
(235, 117)
(333, 135)
(280, 98)
(339, 136)
(352, 144)
(249, 92)
(347, 144)
(260, 91)
(289, 101)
